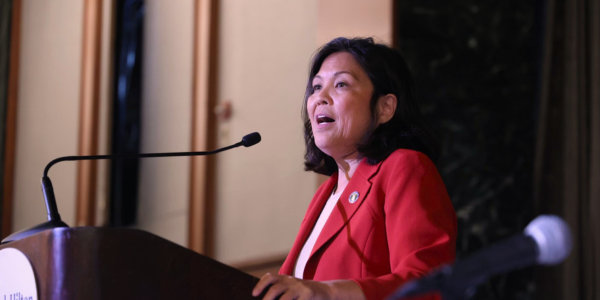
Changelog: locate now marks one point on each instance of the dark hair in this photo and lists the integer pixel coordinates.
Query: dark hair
(389, 74)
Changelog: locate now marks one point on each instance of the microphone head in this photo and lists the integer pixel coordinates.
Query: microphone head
(553, 238)
(251, 139)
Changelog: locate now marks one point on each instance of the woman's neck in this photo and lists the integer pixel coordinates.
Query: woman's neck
(346, 169)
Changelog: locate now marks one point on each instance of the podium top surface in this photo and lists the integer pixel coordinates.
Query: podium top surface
(120, 263)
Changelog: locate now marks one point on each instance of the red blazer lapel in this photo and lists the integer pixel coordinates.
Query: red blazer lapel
(344, 209)
(310, 219)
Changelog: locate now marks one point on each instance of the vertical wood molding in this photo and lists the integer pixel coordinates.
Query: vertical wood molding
(203, 94)
(105, 109)
(11, 117)
(89, 111)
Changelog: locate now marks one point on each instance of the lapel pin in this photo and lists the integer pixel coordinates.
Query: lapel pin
(353, 197)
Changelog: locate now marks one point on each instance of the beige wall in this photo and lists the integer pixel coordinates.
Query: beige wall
(355, 18)
(262, 191)
(166, 118)
(47, 108)
(48, 112)
(265, 47)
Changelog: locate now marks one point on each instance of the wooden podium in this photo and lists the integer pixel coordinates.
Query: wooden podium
(118, 263)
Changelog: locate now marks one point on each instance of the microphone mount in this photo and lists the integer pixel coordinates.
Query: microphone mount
(54, 220)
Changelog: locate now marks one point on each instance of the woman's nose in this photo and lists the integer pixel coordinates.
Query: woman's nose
(323, 101)
(323, 98)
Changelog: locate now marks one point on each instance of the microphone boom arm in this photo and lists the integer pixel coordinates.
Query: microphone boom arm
(134, 155)
(54, 220)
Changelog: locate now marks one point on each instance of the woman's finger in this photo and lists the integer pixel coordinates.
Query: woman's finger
(276, 290)
(264, 281)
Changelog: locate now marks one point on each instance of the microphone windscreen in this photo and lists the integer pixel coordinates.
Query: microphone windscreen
(553, 238)
(251, 139)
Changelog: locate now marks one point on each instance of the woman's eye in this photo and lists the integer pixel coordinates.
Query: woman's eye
(341, 84)
(316, 87)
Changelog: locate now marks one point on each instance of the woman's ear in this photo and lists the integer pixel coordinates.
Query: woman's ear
(386, 107)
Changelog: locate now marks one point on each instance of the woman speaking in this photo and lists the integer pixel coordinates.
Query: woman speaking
(384, 216)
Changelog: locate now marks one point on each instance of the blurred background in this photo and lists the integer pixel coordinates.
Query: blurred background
(511, 88)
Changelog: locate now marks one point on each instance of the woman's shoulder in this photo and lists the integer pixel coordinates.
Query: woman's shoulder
(410, 172)
(409, 166)
(407, 158)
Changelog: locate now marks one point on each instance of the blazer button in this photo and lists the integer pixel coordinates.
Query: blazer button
(353, 197)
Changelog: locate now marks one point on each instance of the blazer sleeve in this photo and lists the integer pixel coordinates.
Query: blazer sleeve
(420, 224)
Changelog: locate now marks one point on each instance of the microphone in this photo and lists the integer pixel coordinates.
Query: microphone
(54, 220)
(546, 241)
(251, 139)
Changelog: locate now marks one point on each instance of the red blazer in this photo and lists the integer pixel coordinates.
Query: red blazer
(402, 225)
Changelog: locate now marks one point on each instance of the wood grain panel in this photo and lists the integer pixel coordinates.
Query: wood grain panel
(120, 263)
(89, 111)
(203, 138)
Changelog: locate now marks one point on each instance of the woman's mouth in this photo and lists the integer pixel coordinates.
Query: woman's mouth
(323, 119)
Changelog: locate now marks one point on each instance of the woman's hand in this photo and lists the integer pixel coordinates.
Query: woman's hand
(288, 288)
